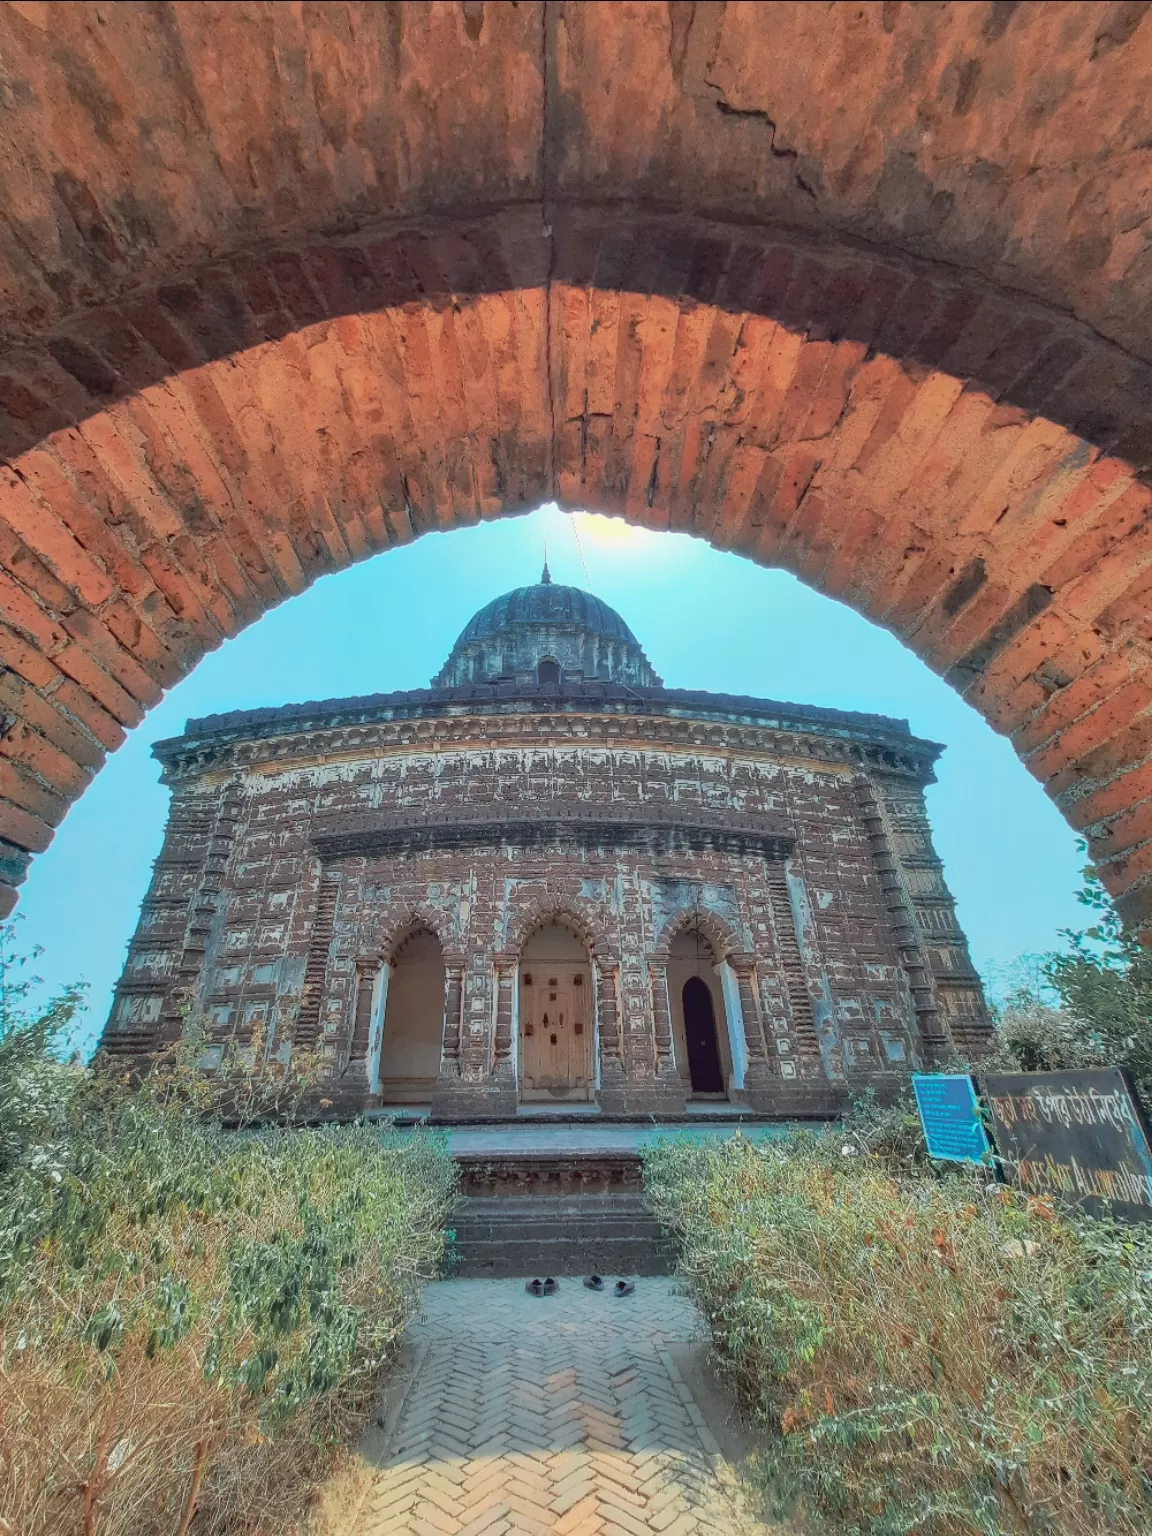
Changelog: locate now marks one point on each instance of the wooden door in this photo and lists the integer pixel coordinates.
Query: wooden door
(700, 1037)
(556, 1031)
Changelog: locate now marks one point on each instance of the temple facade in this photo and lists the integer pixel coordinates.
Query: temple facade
(549, 879)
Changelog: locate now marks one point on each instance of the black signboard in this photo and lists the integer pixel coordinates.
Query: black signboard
(1080, 1137)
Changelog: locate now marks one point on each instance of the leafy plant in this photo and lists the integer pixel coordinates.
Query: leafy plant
(36, 1082)
(938, 1356)
(1104, 981)
(1087, 1005)
(889, 1132)
(191, 1318)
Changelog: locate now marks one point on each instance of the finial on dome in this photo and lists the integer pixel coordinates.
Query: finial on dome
(546, 574)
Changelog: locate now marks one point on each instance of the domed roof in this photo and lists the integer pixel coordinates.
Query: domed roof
(546, 603)
(546, 635)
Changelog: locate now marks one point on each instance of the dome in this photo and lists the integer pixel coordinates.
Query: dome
(546, 633)
(546, 603)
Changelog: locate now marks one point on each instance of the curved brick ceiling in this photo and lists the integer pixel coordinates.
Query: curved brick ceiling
(863, 291)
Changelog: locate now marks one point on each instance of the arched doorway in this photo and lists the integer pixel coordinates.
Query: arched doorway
(412, 1038)
(557, 1060)
(699, 1016)
(703, 1048)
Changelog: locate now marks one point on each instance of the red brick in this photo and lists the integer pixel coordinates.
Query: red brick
(1092, 732)
(1066, 706)
(1119, 518)
(1124, 831)
(1129, 789)
(21, 612)
(33, 575)
(83, 707)
(26, 831)
(43, 532)
(1127, 748)
(81, 668)
(52, 479)
(1134, 908)
(1027, 652)
(26, 659)
(120, 664)
(44, 715)
(27, 792)
(1030, 313)
(164, 660)
(184, 601)
(1123, 871)
(1006, 712)
(35, 754)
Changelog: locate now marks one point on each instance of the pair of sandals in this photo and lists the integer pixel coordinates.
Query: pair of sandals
(592, 1282)
(621, 1288)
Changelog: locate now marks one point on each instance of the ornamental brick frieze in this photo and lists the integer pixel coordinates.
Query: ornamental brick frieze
(657, 830)
(325, 749)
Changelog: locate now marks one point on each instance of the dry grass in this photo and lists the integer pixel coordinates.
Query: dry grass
(924, 1355)
(190, 1320)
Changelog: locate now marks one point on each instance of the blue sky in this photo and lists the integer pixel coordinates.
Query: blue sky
(706, 619)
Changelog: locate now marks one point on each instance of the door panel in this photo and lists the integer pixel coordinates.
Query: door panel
(700, 1036)
(555, 1032)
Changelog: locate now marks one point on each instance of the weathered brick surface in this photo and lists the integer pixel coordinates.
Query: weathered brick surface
(856, 291)
(305, 845)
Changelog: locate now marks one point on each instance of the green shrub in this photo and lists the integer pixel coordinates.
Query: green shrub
(923, 1355)
(890, 1132)
(1088, 1005)
(190, 1318)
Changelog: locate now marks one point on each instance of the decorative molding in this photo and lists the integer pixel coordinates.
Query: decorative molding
(568, 1173)
(530, 725)
(573, 827)
(714, 928)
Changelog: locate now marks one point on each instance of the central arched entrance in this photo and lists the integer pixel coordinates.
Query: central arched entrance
(557, 1027)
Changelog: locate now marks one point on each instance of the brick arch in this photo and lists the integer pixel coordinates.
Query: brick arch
(397, 922)
(891, 333)
(714, 928)
(573, 911)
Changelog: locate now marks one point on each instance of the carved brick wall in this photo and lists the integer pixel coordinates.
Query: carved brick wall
(298, 860)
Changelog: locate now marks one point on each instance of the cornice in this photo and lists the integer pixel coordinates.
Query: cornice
(894, 756)
(578, 827)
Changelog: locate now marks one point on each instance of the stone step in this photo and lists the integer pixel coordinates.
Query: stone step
(556, 1213)
(504, 1235)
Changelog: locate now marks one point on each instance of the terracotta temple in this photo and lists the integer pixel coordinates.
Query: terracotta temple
(550, 879)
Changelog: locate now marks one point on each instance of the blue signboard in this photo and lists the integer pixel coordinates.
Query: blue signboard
(950, 1115)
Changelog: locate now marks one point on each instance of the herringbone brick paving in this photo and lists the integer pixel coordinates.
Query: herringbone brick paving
(564, 1414)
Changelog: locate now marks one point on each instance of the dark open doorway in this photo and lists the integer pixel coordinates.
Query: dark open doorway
(700, 1037)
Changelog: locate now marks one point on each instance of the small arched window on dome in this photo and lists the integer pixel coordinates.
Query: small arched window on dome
(548, 671)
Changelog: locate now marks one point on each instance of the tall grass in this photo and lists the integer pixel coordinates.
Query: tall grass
(922, 1355)
(191, 1318)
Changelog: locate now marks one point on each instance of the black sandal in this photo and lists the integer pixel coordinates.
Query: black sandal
(594, 1282)
(623, 1288)
(535, 1287)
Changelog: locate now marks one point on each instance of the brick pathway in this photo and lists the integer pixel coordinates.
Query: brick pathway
(564, 1414)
